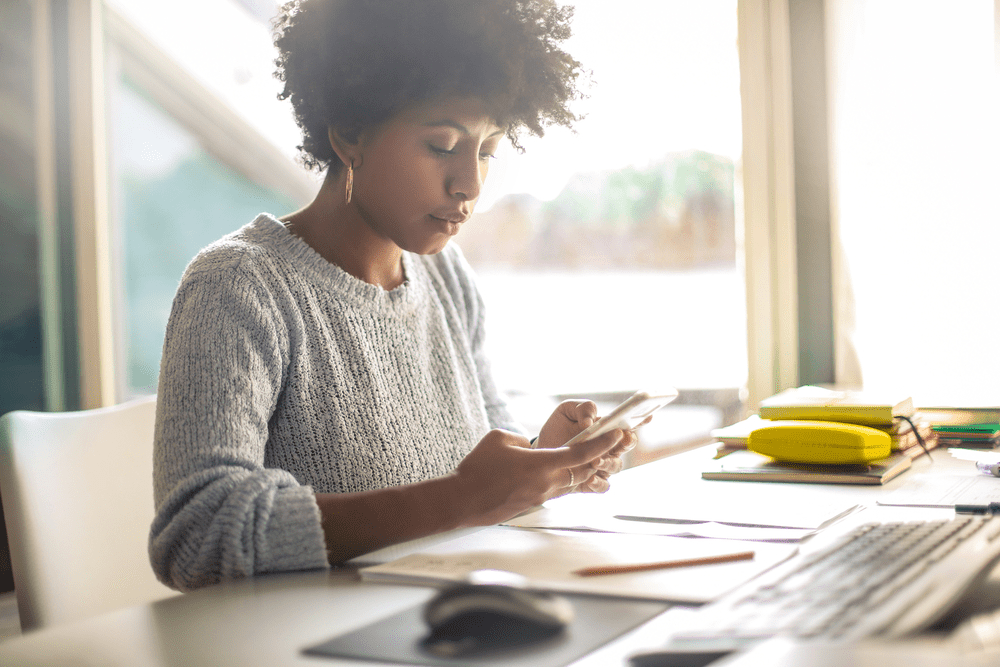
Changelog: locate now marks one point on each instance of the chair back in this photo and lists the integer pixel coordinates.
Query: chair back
(77, 491)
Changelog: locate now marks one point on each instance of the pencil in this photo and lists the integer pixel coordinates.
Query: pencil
(662, 565)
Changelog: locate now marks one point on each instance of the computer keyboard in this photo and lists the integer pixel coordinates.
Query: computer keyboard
(877, 579)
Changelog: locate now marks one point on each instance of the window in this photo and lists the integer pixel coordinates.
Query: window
(636, 209)
(634, 212)
(915, 139)
(172, 198)
(188, 160)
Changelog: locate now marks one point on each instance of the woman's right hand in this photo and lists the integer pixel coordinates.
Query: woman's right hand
(502, 476)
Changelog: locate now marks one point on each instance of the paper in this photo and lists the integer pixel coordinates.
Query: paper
(548, 558)
(697, 501)
(707, 529)
(945, 491)
(577, 519)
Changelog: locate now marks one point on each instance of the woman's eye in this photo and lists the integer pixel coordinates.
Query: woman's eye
(441, 151)
(438, 150)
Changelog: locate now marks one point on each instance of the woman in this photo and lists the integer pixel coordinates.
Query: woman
(323, 388)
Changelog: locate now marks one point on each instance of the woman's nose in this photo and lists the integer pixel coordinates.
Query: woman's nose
(467, 181)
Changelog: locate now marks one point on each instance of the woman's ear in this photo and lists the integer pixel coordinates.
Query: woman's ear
(347, 151)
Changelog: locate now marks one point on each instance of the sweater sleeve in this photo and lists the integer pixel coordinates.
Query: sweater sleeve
(220, 513)
(475, 310)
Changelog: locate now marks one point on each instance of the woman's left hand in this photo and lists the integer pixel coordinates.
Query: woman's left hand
(568, 419)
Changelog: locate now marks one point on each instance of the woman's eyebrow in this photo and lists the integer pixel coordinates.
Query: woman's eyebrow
(457, 126)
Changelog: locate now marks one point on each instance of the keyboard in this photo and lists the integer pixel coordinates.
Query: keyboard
(876, 579)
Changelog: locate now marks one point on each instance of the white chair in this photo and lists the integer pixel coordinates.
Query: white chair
(78, 502)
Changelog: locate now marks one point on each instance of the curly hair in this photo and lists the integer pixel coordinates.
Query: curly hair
(353, 64)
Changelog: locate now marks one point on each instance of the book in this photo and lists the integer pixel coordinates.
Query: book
(904, 438)
(746, 466)
(984, 436)
(959, 416)
(854, 407)
(950, 408)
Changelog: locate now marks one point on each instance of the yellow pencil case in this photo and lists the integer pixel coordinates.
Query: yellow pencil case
(820, 442)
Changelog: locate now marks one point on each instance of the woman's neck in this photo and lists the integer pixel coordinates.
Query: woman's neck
(336, 231)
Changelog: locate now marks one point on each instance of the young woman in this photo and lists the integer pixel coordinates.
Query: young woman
(323, 389)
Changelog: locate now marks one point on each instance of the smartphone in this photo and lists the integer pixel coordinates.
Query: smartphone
(629, 414)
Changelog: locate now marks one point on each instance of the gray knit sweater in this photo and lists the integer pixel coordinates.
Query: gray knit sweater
(282, 376)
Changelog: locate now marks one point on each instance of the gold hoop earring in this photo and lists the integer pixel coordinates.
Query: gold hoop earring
(348, 190)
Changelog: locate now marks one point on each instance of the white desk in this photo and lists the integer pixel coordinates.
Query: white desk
(269, 620)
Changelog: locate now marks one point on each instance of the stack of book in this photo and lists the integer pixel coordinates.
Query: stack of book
(820, 404)
(979, 436)
(845, 407)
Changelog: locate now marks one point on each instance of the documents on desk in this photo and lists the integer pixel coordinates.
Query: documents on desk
(548, 559)
(588, 513)
(692, 500)
(931, 490)
(717, 530)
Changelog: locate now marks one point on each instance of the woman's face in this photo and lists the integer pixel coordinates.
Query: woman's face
(419, 175)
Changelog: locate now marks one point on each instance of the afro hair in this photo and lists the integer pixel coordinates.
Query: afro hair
(353, 64)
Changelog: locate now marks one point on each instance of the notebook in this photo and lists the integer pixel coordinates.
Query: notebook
(746, 466)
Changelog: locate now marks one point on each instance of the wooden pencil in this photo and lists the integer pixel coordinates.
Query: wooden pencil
(662, 565)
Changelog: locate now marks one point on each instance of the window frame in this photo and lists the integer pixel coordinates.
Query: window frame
(768, 202)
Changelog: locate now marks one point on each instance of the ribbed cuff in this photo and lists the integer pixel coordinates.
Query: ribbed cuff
(294, 535)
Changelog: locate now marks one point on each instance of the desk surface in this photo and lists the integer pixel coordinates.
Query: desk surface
(269, 620)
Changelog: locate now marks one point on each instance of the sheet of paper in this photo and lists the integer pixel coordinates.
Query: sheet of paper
(759, 507)
(577, 516)
(709, 529)
(945, 491)
(548, 558)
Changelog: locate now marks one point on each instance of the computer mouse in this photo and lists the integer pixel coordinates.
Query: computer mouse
(492, 610)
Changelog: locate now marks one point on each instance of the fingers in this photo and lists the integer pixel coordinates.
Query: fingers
(611, 465)
(592, 482)
(579, 411)
(596, 484)
(625, 445)
(584, 452)
(602, 453)
(628, 442)
(586, 466)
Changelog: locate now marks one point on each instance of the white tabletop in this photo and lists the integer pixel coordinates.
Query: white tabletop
(269, 620)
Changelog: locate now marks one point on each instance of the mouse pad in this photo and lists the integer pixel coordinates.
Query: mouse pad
(399, 638)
